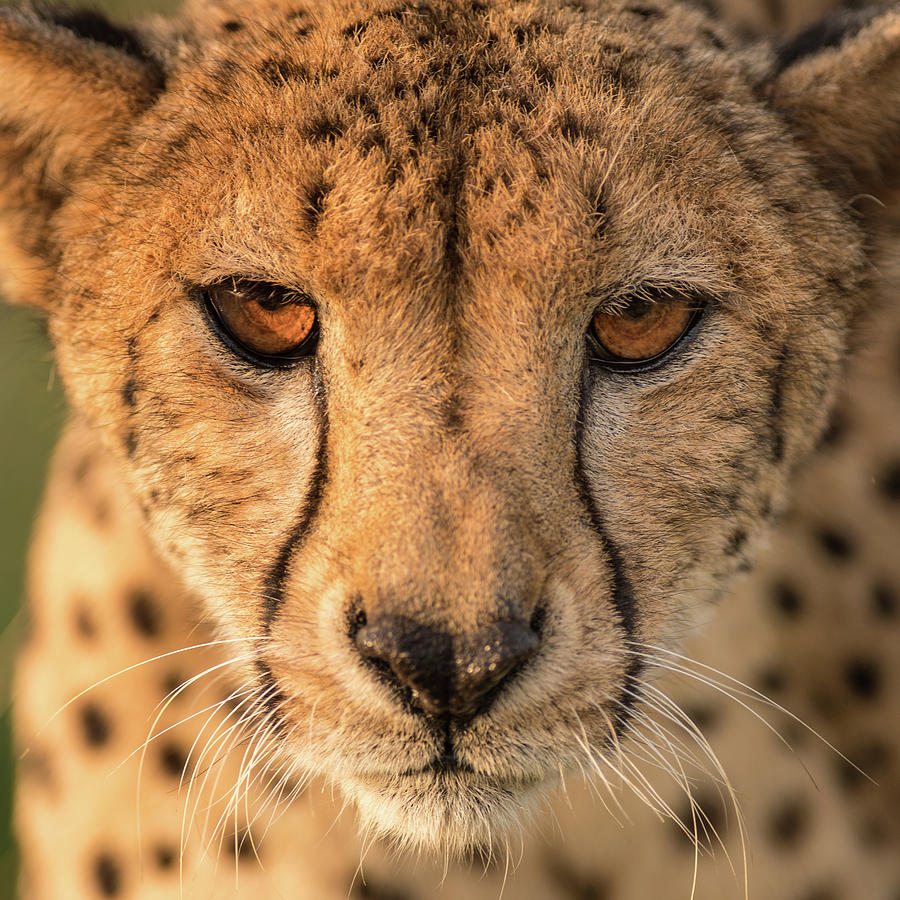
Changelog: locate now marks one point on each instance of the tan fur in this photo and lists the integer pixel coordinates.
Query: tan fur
(458, 186)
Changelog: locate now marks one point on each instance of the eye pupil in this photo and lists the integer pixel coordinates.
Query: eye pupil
(637, 308)
(269, 325)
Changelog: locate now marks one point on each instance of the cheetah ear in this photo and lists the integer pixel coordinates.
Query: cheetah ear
(838, 85)
(70, 81)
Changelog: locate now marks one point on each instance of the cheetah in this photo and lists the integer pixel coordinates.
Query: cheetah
(436, 370)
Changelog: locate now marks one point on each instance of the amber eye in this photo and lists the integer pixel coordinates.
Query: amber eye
(271, 326)
(642, 330)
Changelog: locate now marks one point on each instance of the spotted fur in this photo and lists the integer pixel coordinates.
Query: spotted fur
(458, 186)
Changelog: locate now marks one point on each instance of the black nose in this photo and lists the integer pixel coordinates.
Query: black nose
(455, 675)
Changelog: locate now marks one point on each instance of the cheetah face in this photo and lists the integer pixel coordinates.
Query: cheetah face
(457, 357)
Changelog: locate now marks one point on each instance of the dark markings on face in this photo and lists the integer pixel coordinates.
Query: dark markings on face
(315, 203)
(274, 583)
(623, 598)
(130, 442)
(271, 696)
(736, 542)
(775, 405)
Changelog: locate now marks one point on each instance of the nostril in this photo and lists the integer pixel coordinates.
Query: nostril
(439, 673)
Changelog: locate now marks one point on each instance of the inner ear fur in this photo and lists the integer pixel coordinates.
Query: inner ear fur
(838, 86)
(70, 82)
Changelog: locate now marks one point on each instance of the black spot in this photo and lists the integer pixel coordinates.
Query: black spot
(35, 766)
(848, 776)
(173, 759)
(835, 544)
(84, 622)
(863, 677)
(172, 682)
(736, 542)
(96, 27)
(143, 612)
(241, 845)
(889, 482)
(704, 717)
(82, 468)
(709, 812)
(789, 824)
(355, 30)
(645, 12)
(315, 203)
(164, 856)
(280, 72)
(108, 875)
(713, 38)
(874, 833)
(575, 885)
(820, 892)
(129, 389)
(884, 600)
(370, 890)
(837, 428)
(831, 32)
(772, 680)
(95, 725)
(130, 442)
(322, 129)
(787, 600)
(232, 25)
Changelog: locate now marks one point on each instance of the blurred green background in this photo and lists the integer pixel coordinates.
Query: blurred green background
(31, 412)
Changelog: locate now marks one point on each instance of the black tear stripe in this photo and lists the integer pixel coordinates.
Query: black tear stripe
(623, 592)
(273, 590)
(271, 697)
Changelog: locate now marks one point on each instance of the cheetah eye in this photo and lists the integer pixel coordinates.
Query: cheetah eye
(643, 330)
(268, 325)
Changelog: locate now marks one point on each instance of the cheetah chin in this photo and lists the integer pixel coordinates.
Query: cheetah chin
(451, 813)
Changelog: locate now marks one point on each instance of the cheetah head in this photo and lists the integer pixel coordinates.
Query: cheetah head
(457, 353)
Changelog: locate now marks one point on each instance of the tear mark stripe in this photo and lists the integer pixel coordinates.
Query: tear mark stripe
(274, 584)
(623, 598)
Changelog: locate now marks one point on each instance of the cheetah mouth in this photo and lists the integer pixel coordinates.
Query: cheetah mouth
(446, 807)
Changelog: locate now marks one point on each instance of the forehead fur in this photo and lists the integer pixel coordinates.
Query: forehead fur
(359, 145)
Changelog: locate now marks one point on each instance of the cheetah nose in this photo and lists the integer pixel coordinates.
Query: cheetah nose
(445, 674)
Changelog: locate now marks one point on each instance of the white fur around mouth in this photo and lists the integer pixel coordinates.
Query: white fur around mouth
(450, 811)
